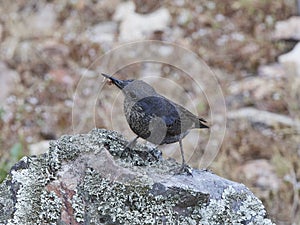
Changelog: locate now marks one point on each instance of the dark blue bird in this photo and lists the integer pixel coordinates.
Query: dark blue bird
(155, 118)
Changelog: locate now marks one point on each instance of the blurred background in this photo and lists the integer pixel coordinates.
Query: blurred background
(251, 45)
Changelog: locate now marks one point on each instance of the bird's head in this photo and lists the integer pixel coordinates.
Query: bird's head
(119, 83)
(133, 89)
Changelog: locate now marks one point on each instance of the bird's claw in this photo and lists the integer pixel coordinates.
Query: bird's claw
(185, 169)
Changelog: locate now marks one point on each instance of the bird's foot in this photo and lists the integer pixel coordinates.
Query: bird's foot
(185, 169)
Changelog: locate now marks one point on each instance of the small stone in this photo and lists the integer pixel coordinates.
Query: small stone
(102, 33)
(288, 29)
(291, 61)
(136, 26)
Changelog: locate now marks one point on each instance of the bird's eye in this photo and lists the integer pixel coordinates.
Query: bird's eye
(132, 95)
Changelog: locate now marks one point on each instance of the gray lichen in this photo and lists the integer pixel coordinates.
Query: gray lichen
(84, 179)
(117, 203)
(50, 209)
(27, 184)
(227, 211)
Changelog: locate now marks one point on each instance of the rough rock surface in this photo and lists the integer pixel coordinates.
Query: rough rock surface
(84, 179)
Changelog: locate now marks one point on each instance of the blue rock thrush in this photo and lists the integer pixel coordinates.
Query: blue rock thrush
(155, 118)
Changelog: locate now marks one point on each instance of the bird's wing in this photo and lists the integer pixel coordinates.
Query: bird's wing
(160, 107)
(189, 117)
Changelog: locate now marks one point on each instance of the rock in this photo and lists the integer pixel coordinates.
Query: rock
(31, 23)
(43, 22)
(265, 92)
(136, 26)
(264, 118)
(83, 180)
(103, 33)
(288, 29)
(123, 10)
(259, 87)
(272, 71)
(291, 61)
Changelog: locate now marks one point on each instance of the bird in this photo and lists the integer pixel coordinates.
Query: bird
(155, 118)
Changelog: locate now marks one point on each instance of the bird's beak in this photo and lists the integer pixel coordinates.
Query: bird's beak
(119, 83)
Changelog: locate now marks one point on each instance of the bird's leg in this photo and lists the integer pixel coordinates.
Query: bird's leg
(132, 143)
(129, 146)
(182, 154)
(184, 167)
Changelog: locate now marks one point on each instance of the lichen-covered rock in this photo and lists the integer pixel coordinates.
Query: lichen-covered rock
(85, 179)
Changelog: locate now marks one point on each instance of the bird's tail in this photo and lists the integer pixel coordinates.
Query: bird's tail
(201, 124)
